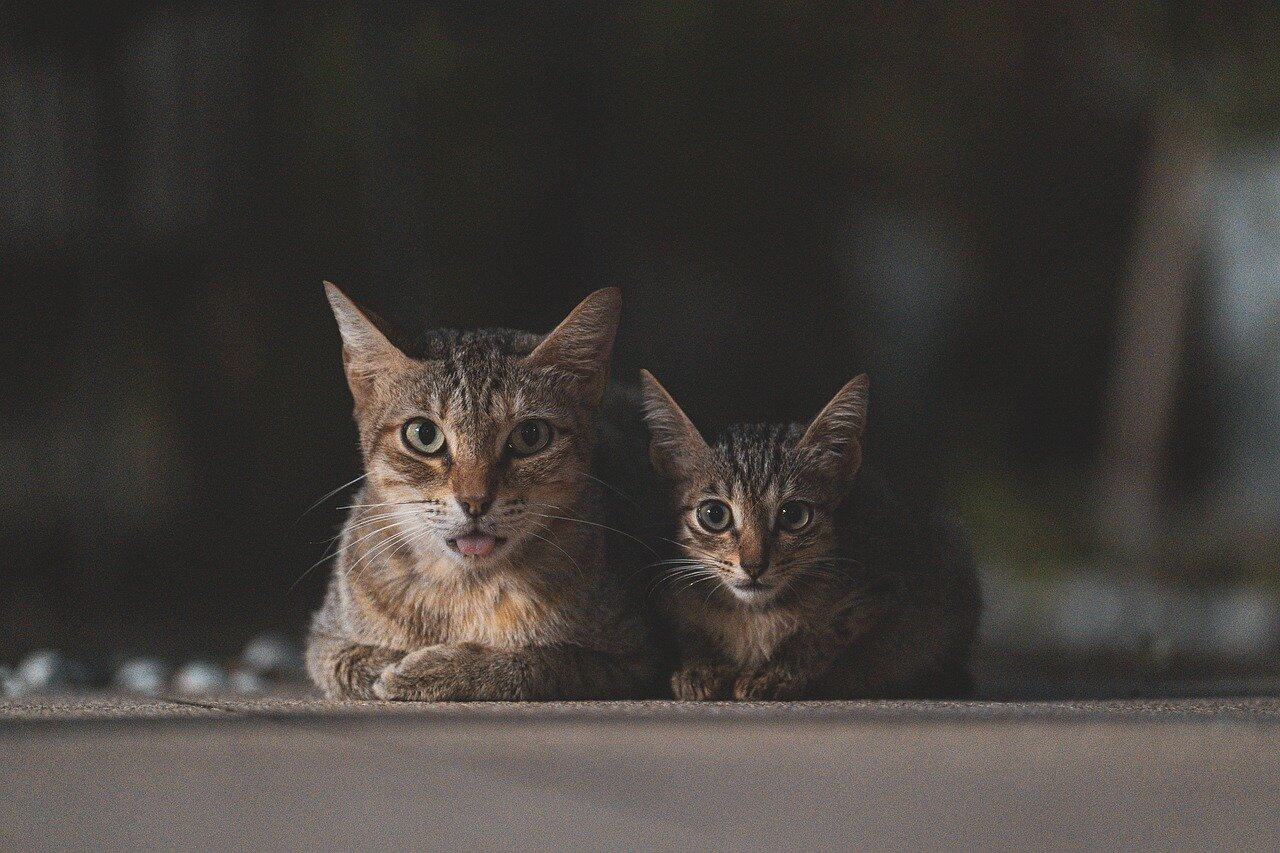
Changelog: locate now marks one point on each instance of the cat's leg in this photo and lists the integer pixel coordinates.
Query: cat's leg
(346, 670)
(702, 678)
(703, 675)
(791, 672)
(469, 672)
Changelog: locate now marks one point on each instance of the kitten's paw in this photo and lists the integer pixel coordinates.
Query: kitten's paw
(699, 684)
(427, 675)
(769, 683)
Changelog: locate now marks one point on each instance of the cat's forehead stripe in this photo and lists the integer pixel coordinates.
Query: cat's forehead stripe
(755, 457)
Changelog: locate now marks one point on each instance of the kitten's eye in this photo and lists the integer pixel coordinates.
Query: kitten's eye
(715, 516)
(529, 437)
(423, 436)
(795, 515)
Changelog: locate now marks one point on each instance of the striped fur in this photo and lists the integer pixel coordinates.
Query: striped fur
(873, 597)
(408, 616)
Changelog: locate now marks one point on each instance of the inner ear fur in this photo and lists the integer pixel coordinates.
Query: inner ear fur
(836, 433)
(583, 342)
(367, 353)
(676, 448)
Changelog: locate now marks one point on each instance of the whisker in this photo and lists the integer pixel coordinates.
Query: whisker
(367, 558)
(388, 503)
(335, 553)
(707, 600)
(671, 578)
(680, 571)
(329, 495)
(576, 567)
(615, 490)
(368, 535)
(697, 581)
(602, 526)
(674, 562)
(678, 574)
(373, 519)
(824, 560)
(704, 554)
(422, 534)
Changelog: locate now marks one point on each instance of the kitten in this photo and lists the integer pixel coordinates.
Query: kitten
(800, 576)
(473, 565)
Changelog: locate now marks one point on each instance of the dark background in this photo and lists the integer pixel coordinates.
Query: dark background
(1010, 215)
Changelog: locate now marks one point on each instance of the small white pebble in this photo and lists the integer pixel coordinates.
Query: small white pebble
(147, 676)
(45, 671)
(199, 677)
(11, 686)
(273, 654)
(247, 681)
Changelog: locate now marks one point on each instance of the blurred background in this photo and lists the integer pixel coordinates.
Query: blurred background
(1050, 233)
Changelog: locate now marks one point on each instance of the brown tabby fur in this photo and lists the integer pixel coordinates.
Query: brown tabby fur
(408, 617)
(873, 598)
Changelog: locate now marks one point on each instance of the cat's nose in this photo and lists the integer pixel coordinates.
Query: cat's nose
(475, 505)
(752, 570)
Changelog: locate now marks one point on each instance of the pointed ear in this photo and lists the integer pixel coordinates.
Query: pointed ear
(583, 342)
(676, 447)
(836, 433)
(366, 352)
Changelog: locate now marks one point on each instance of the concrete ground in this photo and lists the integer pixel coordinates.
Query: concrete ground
(299, 772)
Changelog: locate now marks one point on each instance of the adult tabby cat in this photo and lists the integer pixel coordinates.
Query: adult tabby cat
(800, 576)
(473, 565)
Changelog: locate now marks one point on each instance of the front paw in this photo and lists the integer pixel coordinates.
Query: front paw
(698, 683)
(429, 674)
(351, 672)
(769, 683)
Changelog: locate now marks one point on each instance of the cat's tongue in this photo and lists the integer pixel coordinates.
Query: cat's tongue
(475, 545)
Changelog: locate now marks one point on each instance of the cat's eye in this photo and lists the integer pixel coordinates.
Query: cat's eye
(715, 516)
(529, 437)
(794, 515)
(423, 436)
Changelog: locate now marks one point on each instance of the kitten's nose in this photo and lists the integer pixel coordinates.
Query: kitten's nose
(752, 570)
(475, 505)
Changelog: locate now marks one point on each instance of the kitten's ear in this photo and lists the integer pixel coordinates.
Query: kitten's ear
(366, 352)
(676, 447)
(583, 342)
(836, 433)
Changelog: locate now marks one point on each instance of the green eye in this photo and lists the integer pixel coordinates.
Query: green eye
(795, 515)
(423, 436)
(529, 437)
(715, 516)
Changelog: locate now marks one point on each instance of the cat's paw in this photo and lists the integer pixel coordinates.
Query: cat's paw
(429, 674)
(699, 683)
(350, 673)
(769, 683)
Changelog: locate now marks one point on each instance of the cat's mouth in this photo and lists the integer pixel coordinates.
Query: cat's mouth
(476, 544)
(752, 590)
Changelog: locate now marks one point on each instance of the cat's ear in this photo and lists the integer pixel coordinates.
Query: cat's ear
(676, 447)
(836, 433)
(582, 343)
(366, 352)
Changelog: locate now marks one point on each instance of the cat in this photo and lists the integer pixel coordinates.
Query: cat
(801, 575)
(474, 563)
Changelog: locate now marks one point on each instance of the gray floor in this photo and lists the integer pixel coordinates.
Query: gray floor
(297, 772)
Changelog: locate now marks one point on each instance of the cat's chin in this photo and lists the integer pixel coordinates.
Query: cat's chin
(752, 595)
